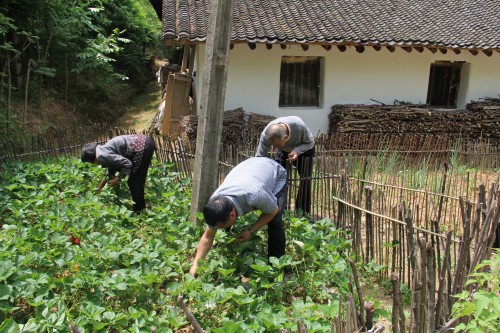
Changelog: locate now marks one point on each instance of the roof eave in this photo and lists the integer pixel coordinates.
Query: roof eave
(171, 39)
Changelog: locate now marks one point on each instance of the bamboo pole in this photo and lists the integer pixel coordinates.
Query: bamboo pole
(369, 225)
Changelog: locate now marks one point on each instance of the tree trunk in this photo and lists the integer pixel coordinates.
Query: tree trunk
(1, 86)
(9, 87)
(26, 89)
(66, 87)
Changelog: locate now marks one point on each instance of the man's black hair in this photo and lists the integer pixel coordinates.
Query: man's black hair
(217, 210)
(88, 152)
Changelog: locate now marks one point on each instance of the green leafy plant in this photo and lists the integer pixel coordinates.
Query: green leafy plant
(126, 271)
(478, 307)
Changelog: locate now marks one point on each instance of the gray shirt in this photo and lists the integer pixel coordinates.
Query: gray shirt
(300, 137)
(253, 185)
(117, 155)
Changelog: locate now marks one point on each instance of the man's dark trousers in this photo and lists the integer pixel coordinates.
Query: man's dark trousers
(304, 165)
(136, 181)
(276, 239)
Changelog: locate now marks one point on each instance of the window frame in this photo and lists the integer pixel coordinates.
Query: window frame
(293, 70)
(444, 84)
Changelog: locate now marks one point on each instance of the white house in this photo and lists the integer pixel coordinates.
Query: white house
(300, 57)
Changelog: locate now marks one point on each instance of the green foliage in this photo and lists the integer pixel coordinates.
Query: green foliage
(76, 47)
(406, 292)
(127, 271)
(479, 309)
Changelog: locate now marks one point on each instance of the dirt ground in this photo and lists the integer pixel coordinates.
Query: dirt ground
(142, 110)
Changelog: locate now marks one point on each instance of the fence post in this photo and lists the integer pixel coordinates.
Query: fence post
(342, 194)
(396, 301)
(423, 286)
(431, 288)
(441, 305)
(369, 225)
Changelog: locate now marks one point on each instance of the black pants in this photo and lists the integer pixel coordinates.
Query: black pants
(304, 165)
(137, 180)
(276, 239)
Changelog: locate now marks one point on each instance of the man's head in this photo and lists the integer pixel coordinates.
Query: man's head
(88, 153)
(219, 213)
(277, 135)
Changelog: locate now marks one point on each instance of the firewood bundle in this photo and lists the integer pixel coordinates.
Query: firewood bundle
(237, 126)
(487, 103)
(402, 119)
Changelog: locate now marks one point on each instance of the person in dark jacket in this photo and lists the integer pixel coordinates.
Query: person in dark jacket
(295, 143)
(130, 156)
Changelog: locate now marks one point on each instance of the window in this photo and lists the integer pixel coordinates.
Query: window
(444, 81)
(300, 81)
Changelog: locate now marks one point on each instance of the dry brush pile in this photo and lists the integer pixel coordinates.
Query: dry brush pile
(480, 120)
(238, 126)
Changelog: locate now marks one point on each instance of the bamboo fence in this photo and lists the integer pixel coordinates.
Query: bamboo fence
(424, 209)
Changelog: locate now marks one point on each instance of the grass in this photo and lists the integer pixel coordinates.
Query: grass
(142, 109)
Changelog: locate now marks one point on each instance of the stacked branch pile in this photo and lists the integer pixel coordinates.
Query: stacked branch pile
(482, 122)
(487, 103)
(238, 126)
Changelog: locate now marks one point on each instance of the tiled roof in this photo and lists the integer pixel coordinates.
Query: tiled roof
(473, 24)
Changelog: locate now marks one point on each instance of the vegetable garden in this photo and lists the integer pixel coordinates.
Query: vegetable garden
(74, 261)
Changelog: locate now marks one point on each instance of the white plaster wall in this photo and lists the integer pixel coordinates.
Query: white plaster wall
(348, 78)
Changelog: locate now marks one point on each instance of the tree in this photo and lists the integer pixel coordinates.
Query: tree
(73, 46)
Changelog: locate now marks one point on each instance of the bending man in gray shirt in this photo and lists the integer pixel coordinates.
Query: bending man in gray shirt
(258, 183)
(131, 156)
(295, 143)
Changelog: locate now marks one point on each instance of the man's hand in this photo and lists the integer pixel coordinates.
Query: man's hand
(292, 156)
(113, 182)
(205, 244)
(244, 236)
(193, 269)
(100, 186)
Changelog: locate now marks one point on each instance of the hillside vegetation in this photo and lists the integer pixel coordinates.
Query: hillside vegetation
(74, 62)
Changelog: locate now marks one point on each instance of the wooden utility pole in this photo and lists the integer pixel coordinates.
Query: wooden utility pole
(212, 104)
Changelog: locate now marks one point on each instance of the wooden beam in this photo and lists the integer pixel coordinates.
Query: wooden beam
(360, 48)
(377, 47)
(168, 105)
(432, 49)
(231, 46)
(474, 52)
(419, 49)
(192, 56)
(252, 46)
(283, 46)
(488, 53)
(342, 48)
(443, 50)
(327, 47)
(304, 47)
(457, 51)
(208, 141)
(269, 46)
(185, 58)
(391, 48)
(192, 53)
(407, 48)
